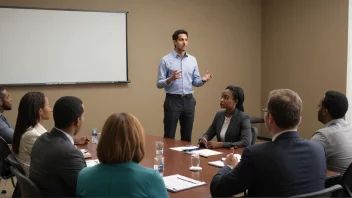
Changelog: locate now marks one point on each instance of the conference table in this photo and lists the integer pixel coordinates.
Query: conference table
(176, 162)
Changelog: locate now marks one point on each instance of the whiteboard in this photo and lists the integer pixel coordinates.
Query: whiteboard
(42, 46)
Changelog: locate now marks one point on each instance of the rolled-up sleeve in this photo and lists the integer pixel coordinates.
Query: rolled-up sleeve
(162, 75)
(197, 80)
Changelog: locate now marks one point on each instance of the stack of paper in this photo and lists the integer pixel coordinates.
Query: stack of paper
(92, 162)
(183, 148)
(220, 163)
(205, 152)
(176, 183)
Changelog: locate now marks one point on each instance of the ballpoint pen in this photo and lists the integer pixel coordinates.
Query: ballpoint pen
(186, 180)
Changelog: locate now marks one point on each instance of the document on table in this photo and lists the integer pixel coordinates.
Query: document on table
(182, 148)
(176, 183)
(220, 163)
(205, 152)
(91, 163)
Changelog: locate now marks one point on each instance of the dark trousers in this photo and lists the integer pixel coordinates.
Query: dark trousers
(177, 107)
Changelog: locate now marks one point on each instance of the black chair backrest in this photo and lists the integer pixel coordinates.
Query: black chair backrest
(254, 134)
(4, 164)
(28, 188)
(327, 192)
(13, 161)
(346, 181)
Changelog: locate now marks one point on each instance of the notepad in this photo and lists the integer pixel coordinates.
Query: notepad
(205, 152)
(220, 163)
(91, 163)
(176, 183)
(182, 148)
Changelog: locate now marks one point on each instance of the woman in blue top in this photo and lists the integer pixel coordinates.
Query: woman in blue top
(120, 149)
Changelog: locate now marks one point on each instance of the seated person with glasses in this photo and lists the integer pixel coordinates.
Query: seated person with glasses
(286, 166)
(231, 126)
(120, 149)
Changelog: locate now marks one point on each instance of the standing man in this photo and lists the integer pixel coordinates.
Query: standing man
(178, 72)
(6, 130)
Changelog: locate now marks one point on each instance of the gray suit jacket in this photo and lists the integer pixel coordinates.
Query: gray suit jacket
(6, 131)
(55, 165)
(238, 132)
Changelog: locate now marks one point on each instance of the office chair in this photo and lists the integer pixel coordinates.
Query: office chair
(14, 163)
(28, 188)
(346, 181)
(327, 192)
(254, 134)
(5, 172)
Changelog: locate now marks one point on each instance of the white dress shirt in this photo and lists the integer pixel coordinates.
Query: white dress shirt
(278, 134)
(67, 135)
(224, 128)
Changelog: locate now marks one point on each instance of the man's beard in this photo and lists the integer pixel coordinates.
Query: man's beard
(7, 107)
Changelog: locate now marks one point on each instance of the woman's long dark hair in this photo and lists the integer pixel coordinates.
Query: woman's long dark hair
(28, 116)
(238, 95)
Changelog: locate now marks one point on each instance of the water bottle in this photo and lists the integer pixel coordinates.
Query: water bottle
(159, 164)
(94, 136)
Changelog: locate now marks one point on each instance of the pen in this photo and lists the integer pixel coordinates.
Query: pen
(186, 180)
(189, 150)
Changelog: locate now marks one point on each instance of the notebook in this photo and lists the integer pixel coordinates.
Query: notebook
(183, 148)
(176, 183)
(91, 163)
(220, 163)
(205, 152)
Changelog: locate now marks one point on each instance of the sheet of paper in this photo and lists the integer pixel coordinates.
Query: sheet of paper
(220, 163)
(178, 182)
(182, 148)
(91, 163)
(205, 152)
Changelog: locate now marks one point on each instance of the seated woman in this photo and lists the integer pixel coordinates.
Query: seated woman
(33, 109)
(231, 126)
(120, 149)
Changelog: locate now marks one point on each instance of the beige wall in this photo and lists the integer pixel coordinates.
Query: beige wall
(224, 35)
(304, 48)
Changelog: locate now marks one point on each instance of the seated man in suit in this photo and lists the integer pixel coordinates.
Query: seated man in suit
(287, 166)
(55, 161)
(6, 131)
(336, 136)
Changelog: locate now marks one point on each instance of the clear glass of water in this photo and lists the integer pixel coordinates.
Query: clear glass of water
(159, 164)
(159, 145)
(195, 160)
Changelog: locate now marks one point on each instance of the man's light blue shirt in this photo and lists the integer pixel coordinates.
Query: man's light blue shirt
(189, 76)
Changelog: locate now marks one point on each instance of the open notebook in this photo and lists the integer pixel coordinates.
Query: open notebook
(220, 163)
(176, 183)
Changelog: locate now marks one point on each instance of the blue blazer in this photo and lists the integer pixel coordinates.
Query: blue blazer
(120, 180)
(286, 167)
(6, 130)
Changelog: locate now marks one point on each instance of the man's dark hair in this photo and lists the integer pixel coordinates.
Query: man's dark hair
(1, 94)
(177, 32)
(336, 103)
(66, 110)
